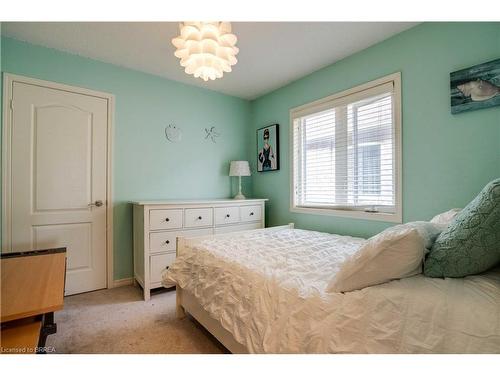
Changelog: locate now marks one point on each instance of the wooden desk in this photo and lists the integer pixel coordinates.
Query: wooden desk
(32, 287)
(21, 336)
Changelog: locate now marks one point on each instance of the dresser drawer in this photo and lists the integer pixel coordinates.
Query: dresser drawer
(227, 215)
(195, 233)
(198, 217)
(162, 241)
(251, 213)
(165, 219)
(237, 228)
(158, 263)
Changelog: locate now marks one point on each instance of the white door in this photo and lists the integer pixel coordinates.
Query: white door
(58, 179)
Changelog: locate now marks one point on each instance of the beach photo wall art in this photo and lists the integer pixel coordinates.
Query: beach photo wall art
(476, 87)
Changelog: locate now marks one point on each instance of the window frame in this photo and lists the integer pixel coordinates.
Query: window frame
(395, 217)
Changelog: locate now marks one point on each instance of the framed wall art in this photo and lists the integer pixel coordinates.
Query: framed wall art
(476, 87)
(268, 148)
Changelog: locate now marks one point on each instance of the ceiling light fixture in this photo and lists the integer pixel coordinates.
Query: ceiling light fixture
(206, 49)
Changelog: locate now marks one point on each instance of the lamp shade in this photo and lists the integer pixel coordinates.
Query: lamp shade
(239, 168)
(206, 49)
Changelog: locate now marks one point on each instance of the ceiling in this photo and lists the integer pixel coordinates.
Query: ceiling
(272, 54)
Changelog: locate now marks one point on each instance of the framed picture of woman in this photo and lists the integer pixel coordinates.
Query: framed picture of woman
(268, 148)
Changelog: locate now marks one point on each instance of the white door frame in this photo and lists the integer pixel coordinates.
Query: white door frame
(8, 81)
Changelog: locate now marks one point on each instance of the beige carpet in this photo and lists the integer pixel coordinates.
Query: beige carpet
(119, 321)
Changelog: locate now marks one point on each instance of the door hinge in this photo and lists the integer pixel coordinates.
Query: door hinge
(11, 104)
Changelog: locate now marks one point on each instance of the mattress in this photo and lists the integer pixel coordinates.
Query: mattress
(268, 288)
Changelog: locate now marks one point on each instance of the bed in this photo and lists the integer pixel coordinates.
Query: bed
(264, 291)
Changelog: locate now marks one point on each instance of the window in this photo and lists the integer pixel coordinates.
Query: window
(369, 169)
(345, 151)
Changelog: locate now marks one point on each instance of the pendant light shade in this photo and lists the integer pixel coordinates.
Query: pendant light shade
(206, 49)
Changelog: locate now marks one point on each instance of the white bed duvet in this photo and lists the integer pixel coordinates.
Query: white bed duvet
(268, 288)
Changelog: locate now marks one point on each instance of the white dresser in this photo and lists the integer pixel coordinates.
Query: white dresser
(157, 224)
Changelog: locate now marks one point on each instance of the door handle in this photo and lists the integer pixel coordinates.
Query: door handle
(96, 203)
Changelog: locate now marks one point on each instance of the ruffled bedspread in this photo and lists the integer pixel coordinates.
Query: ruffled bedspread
(268, 288)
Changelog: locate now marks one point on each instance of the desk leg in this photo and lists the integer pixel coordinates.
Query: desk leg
(48, 328)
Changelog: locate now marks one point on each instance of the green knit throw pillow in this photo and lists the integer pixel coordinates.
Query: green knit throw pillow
(471, 243)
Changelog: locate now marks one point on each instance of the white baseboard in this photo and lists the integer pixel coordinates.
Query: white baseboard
(122, 282)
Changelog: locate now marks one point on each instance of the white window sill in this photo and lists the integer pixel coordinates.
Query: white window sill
(376, 216)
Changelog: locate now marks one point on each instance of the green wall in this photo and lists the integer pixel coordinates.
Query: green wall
(447, 158)
(146, 166)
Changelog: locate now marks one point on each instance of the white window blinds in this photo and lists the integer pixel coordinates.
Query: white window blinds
(344, 152)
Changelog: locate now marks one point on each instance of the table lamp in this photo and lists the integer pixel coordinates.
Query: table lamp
(239, 168)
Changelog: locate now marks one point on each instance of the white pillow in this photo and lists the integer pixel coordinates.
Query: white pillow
(395, 253)
(428, 231)
(446, 217)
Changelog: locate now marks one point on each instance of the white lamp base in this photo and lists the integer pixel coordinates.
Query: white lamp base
(239, 195)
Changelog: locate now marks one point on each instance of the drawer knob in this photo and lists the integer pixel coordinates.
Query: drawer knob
(199, 217)
(167, 242)
(251, 213)
(228, 215)
(167, 219)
